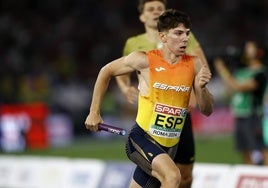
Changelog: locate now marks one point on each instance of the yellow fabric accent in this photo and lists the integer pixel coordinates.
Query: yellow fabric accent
(192, 45)
(138, 43)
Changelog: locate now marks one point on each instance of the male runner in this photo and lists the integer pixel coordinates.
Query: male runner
(149, 11)
(166, 79)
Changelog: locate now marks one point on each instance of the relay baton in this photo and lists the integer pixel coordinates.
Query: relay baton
(111, 129)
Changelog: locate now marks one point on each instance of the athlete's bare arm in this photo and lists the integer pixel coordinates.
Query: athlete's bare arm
(225, 74)
(198, 51)
(204, 98)
(129, 91)
(136, 61)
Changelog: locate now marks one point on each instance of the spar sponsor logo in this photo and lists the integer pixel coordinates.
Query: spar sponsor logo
(170, 110)
(180, 88)
(246, 181)
(167, 121)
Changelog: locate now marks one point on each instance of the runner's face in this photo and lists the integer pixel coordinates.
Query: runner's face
(177, 39)
(152, 10)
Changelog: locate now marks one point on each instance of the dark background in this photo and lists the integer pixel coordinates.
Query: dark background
(52, 50)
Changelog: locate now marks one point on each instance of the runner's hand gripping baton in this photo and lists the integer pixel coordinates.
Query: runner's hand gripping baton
(112, 129)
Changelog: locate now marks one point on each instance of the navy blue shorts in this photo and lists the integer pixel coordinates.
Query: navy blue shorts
(141, 149)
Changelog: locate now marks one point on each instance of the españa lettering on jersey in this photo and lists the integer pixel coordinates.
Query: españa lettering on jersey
(163, 111)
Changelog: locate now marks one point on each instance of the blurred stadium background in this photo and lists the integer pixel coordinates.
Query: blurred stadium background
(51, 52)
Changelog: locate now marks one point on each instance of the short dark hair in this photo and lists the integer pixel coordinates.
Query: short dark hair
(142, 3)
(171, 18)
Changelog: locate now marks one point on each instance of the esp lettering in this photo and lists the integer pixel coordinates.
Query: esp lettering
(171, 122)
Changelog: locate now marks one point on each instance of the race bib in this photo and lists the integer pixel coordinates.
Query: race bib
(167, 121)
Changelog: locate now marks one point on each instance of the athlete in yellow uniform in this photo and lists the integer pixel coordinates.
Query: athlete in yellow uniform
(149, 11)
(162, 102)
(162, 112)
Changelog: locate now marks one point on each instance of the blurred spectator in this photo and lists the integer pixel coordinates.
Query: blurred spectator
(248, 85)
